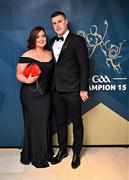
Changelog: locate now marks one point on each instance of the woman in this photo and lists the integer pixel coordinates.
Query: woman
(36, 106)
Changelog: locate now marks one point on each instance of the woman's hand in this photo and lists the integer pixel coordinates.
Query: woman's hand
(31, 79)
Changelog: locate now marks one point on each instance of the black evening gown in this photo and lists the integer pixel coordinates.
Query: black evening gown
(37, 112)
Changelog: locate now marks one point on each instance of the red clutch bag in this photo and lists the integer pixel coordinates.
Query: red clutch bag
(32, 69)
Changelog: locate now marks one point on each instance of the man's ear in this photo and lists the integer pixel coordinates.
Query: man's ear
(67, 22)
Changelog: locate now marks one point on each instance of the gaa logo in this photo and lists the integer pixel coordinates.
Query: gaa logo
(100, 79)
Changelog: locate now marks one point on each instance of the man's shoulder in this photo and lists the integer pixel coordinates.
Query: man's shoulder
(76, 36)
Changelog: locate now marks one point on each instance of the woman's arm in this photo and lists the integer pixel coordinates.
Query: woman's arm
(20, 76)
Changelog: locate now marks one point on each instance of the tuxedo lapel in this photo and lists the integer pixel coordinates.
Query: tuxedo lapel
(65, 45)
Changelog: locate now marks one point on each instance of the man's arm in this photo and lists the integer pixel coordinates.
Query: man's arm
(83, 60)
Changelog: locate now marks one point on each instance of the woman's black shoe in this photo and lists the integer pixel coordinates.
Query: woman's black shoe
(40, 164)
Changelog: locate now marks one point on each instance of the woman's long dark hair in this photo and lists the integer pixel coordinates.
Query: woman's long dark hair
(32, 36)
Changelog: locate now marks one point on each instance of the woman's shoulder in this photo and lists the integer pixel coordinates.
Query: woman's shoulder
(27, 53)
(25, 57)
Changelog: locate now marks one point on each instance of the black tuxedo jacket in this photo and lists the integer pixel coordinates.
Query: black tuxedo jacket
(71, 72)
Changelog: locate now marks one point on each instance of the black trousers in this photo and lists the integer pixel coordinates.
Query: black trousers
(65, 103)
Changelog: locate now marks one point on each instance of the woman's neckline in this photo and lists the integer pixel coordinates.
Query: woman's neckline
(36, 59)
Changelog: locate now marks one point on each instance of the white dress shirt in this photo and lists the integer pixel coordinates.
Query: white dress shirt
(57, 46)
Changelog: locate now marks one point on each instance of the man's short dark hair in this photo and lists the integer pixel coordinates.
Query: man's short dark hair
(57, 13)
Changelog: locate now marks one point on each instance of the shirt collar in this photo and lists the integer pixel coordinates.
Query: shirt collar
(65, 35)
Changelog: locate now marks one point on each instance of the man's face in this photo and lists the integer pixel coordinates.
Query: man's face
(59, 24)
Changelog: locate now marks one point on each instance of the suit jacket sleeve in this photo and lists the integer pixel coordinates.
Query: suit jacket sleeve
(83, 60)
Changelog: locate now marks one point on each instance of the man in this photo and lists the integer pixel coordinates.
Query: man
(70, 85)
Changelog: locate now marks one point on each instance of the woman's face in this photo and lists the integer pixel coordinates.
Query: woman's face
(41, 39)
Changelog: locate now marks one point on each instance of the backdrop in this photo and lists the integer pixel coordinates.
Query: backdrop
(105, 27)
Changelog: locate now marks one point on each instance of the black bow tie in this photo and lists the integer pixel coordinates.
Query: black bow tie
(60, 38)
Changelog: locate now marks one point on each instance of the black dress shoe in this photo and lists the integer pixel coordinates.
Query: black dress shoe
(75, 161)
(58, 158)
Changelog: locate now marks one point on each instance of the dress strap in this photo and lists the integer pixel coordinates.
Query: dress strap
(25, 60)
